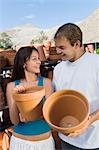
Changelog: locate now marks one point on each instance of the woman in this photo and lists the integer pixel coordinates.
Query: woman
(26, 73)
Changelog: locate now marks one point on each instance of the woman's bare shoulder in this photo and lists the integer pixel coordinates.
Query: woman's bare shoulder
(10, 85)
(47, 81)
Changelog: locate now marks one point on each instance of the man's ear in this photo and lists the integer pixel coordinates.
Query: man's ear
(77, 43)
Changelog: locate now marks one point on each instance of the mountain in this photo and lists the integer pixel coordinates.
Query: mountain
(22, 35)
(90, 27)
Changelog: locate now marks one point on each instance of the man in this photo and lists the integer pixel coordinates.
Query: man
(79, 71)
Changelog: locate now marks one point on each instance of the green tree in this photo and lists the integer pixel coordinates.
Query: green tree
(97, 50)
(5, 41)
(40, 39)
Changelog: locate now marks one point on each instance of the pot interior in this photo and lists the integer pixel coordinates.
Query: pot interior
(67, 111)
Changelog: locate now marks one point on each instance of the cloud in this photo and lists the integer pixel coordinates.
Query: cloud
(30, 16)
(39, 1)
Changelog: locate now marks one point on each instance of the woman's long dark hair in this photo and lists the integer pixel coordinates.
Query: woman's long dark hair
(21, 57)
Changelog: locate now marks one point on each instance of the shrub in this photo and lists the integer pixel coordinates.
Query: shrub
(5, 41)
(39, 39)
(97, 51)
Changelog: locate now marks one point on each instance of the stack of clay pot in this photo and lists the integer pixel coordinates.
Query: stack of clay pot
(2, 98)
(3, 60)
(9, 55)
(53, 54)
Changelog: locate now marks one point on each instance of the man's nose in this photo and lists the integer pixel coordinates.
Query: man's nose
(58, 50)
(39, 62)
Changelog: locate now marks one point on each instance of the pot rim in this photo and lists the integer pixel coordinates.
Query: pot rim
(35, 93)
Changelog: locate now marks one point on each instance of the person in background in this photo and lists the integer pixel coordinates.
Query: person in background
(79, 70)
(26, 72)
(90, 48)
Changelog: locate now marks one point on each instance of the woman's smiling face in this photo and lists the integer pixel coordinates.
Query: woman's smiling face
(33, 63)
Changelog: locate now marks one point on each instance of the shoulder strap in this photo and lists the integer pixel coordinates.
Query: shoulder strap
(40, 81)
(17, 82)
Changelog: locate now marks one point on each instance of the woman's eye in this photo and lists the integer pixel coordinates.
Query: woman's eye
(35, 59)
(62, 48)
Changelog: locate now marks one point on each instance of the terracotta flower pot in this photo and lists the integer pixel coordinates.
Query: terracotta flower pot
(67, 111)
(9, 55)
(3, 61)
(2, 98)
(53, 54)
(29, 103)
(55, 57)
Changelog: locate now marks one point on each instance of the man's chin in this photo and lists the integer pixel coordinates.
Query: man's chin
(64, 58)
(37, 71)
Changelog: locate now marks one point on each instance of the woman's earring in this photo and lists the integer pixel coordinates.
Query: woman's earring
(24, 66)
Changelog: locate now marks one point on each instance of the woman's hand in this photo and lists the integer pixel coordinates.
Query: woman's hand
(22, 119)
(19, 89)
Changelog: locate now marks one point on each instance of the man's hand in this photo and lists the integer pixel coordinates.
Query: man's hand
(79, 131)
(92, 117)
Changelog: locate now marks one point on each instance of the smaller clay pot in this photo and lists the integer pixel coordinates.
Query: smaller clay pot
(2, 98)
(55, 57)
(30, 102)
(53, 54)
(3, 61)
(9, 55)
(68, 111)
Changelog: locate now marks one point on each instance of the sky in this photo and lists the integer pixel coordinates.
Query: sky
(44, 13)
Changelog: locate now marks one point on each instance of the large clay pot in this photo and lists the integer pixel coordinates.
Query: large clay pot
(2, 99)
(67, 111)
(53, 54)
(3, 61)
(9, 55)
(29, 102)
